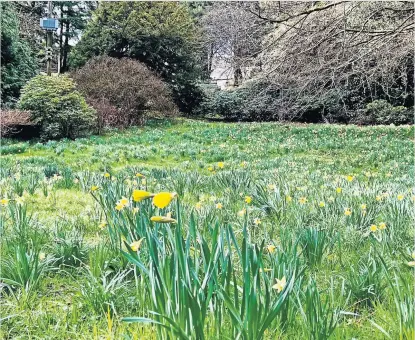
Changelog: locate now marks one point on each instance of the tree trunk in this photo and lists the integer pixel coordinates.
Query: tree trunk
(65, 49)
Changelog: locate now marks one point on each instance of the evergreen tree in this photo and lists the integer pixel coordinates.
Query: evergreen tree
(18, 63)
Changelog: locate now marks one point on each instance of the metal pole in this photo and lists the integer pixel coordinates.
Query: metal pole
(49, 37)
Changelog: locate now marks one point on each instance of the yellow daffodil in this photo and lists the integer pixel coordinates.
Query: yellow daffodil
(135, 246)
(163, 199)
(198, 205)
(379, 198)
(119, 206)
(279, 286)
(338, 190)
(248, 199)
(363, 206)
(124, 201)
(321, 204)
(140, 195)
(162, 219)
(271, 187)
(4, 201)
(347, 211)
(257, 221)
(271, 248)
(219, 206)
(349, 178)
(302, 200)
(135, 210)
(221, 165)
(140, 175)
(19, 200)
(400, 197)
(106, 175)
(382, 226)
(288, 198)
(211, 168)
(94, 188)
(102, 225)
(373, 228)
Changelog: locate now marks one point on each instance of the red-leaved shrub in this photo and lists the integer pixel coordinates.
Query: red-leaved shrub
(12, 120)
(123, 91)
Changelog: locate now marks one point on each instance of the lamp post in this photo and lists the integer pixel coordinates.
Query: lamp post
(49, 24)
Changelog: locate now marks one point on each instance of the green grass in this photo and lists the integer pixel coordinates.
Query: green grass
(211, 274)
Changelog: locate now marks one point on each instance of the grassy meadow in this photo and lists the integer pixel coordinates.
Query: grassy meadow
(261, 231)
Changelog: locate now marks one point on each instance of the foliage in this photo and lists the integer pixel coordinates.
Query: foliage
(382, 112)
(251, 102)
(278, 231)
(18, 64)
(125, 85)
(57, 107)
(162, 35)
(23, 269)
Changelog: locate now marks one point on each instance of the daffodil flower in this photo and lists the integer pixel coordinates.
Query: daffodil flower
(248, 199)
(140, 195)
(4, 202)
(162, 219)
(163, 199)
(279, 286)
(135, 246)
(271, 248)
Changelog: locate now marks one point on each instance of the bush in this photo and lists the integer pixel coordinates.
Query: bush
(126, 85)
(382, 112)
(57, 106)
(12, 120)
(251, 102)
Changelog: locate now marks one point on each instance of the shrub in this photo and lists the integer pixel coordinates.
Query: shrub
(382, 112)
(57, 106)
(126, 85)
(251, 102)
(12, 120)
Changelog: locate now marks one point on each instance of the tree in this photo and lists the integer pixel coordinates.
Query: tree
(162, 35)
(73, 17)
(329, 59)
(232, 37)
(18, 63)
